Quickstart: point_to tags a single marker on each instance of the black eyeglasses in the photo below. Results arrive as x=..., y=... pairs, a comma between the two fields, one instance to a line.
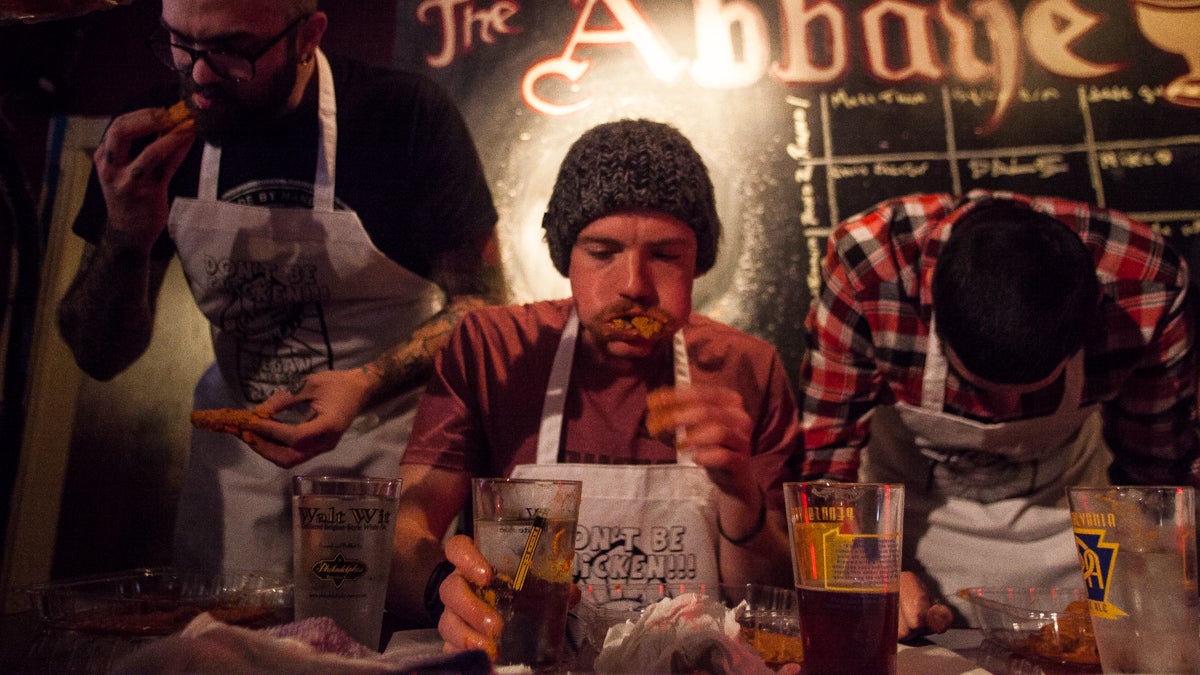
x=230, y=64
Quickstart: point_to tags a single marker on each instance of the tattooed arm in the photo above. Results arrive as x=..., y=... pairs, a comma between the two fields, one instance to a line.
x=410, y=362
x=107, y=314
x=469, y=276
x=106, y=317
x=469, y=284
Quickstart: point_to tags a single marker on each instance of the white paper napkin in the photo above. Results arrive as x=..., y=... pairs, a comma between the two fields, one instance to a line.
x=689, y=633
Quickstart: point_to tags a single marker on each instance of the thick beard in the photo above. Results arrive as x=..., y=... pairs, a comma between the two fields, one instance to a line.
x=230, y=119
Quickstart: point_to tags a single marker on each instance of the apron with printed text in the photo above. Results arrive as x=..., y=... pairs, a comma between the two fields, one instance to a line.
x=985, y=504
x=288, y=292
x=637, y=523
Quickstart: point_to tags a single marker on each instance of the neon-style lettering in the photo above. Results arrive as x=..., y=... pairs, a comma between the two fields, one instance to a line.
x=717, y=65
x=632, y=29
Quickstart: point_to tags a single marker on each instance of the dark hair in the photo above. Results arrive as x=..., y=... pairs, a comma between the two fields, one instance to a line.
x=1014, y=292
x=631, y=164
x=298, y=8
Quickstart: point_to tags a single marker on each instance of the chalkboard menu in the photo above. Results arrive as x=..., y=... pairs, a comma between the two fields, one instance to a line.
x=808, y=111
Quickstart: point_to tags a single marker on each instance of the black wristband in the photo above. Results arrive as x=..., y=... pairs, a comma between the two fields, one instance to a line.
x=433, y=600
x=758, y=525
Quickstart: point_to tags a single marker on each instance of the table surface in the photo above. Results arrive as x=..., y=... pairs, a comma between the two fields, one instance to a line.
x=957, y=652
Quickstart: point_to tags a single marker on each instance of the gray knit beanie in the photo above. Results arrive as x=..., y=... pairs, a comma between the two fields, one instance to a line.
x=631, y=164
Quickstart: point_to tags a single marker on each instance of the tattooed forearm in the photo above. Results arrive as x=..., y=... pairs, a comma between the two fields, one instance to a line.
x=106, y=315
x=410, y=362
x=471, y=278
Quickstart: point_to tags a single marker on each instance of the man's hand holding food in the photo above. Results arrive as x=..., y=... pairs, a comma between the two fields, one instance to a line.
x=710, y=423
x=329, y=402
x=135, y=182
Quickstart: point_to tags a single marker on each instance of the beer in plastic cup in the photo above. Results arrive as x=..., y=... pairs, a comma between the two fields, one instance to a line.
x=342, y=529
x=1137, y=554
x=846, y=549
x=526, y=530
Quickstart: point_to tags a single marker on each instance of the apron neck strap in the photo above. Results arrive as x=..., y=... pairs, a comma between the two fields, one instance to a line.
x=327, y=149
x=933, y=381
x=556, y=392
x=324, y=180
x=210, y=166
x=550, y=429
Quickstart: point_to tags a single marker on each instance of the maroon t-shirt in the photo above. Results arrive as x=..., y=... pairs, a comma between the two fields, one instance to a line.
x=482, y=408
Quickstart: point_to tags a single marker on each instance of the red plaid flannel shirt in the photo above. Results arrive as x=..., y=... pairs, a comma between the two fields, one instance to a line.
x=867, y=332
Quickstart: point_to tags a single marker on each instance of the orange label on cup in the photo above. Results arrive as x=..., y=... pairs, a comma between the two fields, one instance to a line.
x=851, y=562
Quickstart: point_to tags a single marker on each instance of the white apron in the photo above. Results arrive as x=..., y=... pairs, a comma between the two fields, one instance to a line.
x=637, y=523
x=985, y=504
x=288, y=292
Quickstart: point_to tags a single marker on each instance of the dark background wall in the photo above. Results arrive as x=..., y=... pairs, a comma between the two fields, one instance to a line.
x=810, y=111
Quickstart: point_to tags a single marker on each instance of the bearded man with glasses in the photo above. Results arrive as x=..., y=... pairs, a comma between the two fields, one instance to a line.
x=333, y=222
x=233, y=59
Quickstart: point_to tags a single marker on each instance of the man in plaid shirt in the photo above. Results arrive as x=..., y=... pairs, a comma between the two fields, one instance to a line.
x=988, y=351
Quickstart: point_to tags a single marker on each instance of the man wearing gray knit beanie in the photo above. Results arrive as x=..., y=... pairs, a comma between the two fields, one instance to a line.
x=682, y=429
x=632, y=165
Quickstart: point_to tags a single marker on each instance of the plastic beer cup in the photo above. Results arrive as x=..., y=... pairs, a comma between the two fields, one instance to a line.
x=342, y=530
x=526, y=530
x=1137, y=555
x=846, y=550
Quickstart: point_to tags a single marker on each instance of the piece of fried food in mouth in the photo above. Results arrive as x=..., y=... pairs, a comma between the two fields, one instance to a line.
x=179, y=114
x=646, y=326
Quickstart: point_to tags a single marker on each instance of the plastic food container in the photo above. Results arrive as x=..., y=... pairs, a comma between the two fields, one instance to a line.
x=161, y=601
x=89, y=622
x=604, y=606
x=1041, y=624
x=770, y=621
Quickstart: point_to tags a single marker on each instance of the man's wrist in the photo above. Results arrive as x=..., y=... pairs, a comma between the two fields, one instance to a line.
x=759, y=523
x=123, y=253
x=373, y=379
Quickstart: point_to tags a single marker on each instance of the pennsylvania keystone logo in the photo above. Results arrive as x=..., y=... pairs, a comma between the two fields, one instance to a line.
x=339, y=569
x=1096, y=558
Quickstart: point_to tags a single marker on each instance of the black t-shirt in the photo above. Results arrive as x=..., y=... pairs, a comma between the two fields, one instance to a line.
x=405, y=163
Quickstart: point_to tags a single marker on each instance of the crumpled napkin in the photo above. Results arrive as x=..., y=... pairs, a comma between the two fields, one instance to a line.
x=314, y=645
x=688, y=633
